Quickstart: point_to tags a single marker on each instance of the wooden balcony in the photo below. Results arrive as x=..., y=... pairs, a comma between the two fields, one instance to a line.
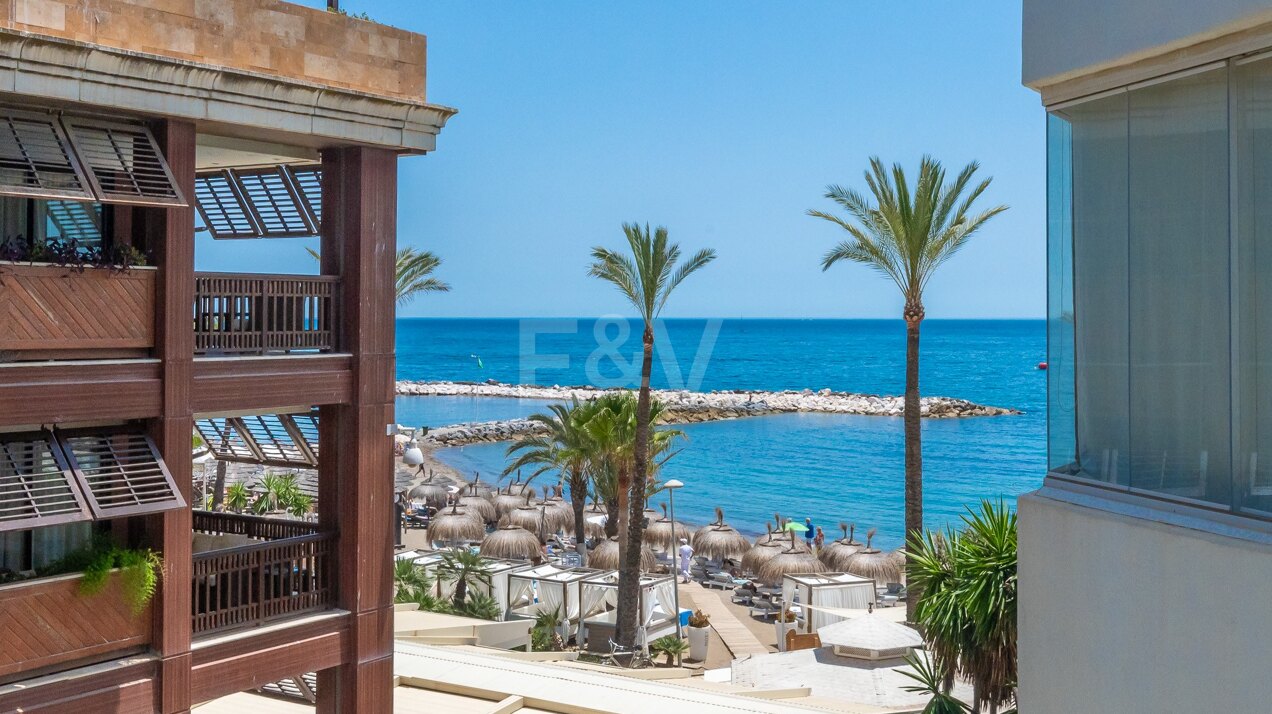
x=47, y=625
x=289, y=573
x=58, y=312
x=247, y=314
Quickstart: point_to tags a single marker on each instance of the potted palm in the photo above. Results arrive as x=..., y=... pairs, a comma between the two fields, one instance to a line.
x=669, y=646
x=785, y=623
x=699, y=627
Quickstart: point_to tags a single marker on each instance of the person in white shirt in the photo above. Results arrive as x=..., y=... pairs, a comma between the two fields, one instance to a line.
x=686, y=553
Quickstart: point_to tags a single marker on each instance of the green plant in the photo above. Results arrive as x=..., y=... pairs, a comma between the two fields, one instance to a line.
x=968, y=604
x=699, y=619
x=482, y=607
x=139, y=572
x=669, y=645
x=409, y=580
x=237, y=497
x=647, y=277
x=906, y=234
x=929, y=682
x=545, y=636
x=413, y=269
x=465, y=568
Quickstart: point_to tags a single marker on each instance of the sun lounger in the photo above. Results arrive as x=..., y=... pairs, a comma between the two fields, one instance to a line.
x=763, y=609
x=743, y=595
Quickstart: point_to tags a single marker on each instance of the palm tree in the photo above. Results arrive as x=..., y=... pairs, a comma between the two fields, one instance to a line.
x=466, y=569
x=565, y=447
x=646, y=278
x=968, y=606
x=907, y=234
x=413, y=271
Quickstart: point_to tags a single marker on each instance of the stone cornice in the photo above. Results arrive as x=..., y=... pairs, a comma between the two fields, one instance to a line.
x=220, y=99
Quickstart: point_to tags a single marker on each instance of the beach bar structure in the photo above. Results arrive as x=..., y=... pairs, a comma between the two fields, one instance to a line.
x=144, y=132
x=831, y=591
x=599, y=607
x=545, y=588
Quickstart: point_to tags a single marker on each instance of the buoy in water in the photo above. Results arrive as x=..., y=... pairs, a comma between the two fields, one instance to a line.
x=1042, y=366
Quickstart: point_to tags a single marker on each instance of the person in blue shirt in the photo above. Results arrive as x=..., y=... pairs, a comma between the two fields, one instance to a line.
x=808, y=534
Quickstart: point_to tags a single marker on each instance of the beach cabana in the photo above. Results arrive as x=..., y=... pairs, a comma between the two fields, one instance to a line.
x=870, y=637
x=599, y=602
x=545, y=588
x=499, y=570
x=833, y=591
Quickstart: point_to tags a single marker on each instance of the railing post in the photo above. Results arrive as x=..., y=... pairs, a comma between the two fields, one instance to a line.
x=259, y=595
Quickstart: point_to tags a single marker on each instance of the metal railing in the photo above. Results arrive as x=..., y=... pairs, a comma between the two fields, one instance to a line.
x=244, y=313
x=251, y=585
x=251, y=526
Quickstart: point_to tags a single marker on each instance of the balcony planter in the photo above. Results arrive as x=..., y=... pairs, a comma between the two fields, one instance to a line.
x=52, y=311
x=60, y=628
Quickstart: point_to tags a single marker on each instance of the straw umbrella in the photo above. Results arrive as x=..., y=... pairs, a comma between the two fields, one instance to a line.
x=478, y=506
x=873, y=563
x=527, y=515
x=665, y=535
x=591, y=527
x=898, y=559
x=604, y=556
x=432, y=494
x=512, y=542
x=455, y=524
x=478, y=488
x=507, y=501
x=771, y=534
x=555, y=519
x=564, y=511
x=719, y=540
x=789, y=562
x=765, y=549
x=835, y=555
x=519, y=487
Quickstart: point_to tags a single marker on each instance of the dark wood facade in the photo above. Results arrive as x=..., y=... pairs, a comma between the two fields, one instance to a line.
x=345, y=632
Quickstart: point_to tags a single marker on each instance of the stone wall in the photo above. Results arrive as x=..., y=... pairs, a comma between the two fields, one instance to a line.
x=263, y=36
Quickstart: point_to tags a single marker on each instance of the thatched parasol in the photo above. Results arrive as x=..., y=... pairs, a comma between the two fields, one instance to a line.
x=604, y=556
x=873, y=563
x=511, y=542
x=454, y=525
x=789, y=562
x=592, y=528
x=432, y=494
x=519, y=487
x=663, y=534
x=557, y=502
x=527, y=515
x=771, y=534
x=478, y=506
x=478, y=488
x=556, y=516
x=765, y=549
x=898, y=558
x=719, y=540
x=836, y=553
x=507, y=501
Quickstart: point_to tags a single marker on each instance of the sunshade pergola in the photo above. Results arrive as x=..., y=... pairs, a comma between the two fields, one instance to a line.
x=284, y=440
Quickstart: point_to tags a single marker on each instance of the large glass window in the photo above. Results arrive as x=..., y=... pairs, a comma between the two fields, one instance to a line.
x=1143, y=180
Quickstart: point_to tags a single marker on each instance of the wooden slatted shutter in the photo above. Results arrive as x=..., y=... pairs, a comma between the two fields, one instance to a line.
x=308, y=182
x=220, y=202
x=224, y=440
x=122, y=161
x=36, y=486
x=120, y=473
x=36, y=158
x=275, y=203
x=278, y=445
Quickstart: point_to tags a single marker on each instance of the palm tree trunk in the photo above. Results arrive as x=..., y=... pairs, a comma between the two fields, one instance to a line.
x=461, y=591
x=913, y=439
x=613, y=516
x=578, y=501
x=218, y=486
x=629, y=553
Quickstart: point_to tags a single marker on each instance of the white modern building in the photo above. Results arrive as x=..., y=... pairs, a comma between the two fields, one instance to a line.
x=1146, y=557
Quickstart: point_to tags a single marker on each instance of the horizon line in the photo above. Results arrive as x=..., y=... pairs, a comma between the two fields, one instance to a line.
x=1039, y=318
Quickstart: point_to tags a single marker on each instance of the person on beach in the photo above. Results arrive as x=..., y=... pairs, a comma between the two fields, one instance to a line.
x=809, y=534
x=686, y=554
x=818, y=540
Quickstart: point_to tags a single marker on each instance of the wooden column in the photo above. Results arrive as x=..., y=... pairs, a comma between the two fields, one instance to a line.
x=359, y=244
x=168, y=236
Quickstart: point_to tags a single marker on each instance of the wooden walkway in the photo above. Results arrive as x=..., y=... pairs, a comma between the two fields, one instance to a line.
x=737, y=637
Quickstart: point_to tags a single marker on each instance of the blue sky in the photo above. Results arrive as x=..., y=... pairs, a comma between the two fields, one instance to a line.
x=722, y=121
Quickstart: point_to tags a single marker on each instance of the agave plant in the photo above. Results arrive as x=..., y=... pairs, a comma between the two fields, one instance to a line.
x=670, y=646
x=237, y=497
x=929, y=682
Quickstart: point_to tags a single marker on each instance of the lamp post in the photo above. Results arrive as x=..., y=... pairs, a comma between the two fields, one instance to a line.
x=671, y=487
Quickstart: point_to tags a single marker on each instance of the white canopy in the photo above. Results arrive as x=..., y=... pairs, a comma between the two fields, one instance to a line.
x=545, y=588
x=499, y=571
x=870, y=637
x=826, y=592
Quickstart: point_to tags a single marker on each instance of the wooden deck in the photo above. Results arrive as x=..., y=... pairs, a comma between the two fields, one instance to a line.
x=736, y=636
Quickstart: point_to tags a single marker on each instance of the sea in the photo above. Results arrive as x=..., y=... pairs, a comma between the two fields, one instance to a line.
x=828, y=467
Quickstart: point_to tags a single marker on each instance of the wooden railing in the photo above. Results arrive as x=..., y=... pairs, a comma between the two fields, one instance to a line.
x=243, y=313
x=253, y=584
x=251, y=526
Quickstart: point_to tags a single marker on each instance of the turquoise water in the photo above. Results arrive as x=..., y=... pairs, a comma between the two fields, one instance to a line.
x=828, y=467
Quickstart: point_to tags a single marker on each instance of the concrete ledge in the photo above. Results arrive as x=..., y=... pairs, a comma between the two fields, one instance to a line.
x=225, y=101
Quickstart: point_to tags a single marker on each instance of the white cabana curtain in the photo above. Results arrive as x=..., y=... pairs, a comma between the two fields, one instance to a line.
x=856, y=596
x=596, y=598
x=552, y=597
x=519, y=589
x=499, y=589
x=660, y=598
